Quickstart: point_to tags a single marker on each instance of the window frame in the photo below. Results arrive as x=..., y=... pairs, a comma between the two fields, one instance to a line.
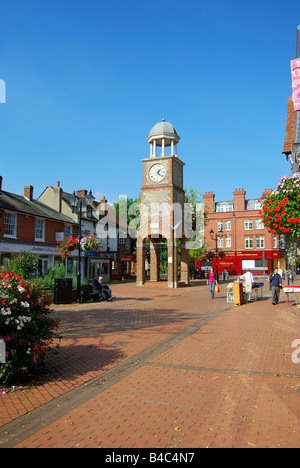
x=249, y=241
x=5, y=234
x=248, y=228
x=260, y=240
x=39, y=239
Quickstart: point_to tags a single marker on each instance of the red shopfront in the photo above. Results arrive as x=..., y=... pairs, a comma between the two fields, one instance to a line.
x=259, y=262
x=121, y=267
x=236, y=262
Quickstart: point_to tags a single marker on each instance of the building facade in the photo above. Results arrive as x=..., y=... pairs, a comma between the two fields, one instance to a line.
x=29, y=225
x=235, y=228
x=114, y=260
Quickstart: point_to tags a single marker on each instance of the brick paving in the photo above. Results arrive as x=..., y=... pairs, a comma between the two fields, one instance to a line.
x=161, y=368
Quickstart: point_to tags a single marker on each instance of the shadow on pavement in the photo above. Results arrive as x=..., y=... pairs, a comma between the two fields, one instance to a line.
x=95, y=322
x=76, y=360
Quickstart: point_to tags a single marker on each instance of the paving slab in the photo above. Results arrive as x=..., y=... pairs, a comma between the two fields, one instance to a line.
x=160, y=368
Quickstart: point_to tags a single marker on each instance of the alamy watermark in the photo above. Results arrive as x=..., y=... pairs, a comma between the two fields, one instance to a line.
x=155, y=220
x=296, y=353
x=2, y=92
x=2, y=352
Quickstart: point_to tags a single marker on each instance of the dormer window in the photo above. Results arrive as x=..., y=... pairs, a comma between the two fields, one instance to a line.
x=224, y=207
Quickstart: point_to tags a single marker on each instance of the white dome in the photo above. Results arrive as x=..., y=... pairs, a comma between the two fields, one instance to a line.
x=163, y=128
x=163, y=133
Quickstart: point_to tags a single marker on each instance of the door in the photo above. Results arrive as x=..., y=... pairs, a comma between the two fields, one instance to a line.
x=99, y=268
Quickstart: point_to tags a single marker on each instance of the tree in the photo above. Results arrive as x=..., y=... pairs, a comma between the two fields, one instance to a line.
x=281, y=213
x=193, y=201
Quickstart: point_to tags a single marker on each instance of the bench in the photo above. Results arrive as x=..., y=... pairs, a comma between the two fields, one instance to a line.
x=87, y=294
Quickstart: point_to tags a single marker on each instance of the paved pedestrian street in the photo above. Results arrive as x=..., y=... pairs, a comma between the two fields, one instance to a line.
x=165, y=368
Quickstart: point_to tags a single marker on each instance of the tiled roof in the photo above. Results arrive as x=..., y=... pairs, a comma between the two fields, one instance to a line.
x=13, y=202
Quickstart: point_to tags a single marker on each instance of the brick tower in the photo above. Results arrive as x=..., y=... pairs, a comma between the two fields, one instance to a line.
x=162, y=207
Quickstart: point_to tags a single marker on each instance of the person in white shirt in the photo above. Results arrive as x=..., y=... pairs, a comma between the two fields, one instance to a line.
x=249, y=280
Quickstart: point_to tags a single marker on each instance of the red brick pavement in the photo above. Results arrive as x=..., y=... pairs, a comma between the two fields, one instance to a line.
x=203, y=374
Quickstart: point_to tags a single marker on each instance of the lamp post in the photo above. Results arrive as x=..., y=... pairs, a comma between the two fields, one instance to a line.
x=76, y=202
x=216, y=239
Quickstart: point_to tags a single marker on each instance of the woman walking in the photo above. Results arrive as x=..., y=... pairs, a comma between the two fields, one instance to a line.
x=212, y=281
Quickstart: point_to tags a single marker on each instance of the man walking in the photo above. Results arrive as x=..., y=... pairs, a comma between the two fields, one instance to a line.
x=275, y=281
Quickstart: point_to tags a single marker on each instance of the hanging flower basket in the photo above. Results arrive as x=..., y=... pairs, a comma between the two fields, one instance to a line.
x=66, y=246
x=209, y=255
x=90, y=244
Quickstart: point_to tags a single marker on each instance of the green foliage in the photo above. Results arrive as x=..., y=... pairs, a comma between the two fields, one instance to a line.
x=281, y=209
x=25, y=264
x=48, y=281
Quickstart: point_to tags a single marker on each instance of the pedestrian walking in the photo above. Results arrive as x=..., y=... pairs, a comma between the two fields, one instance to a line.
x=212, y=281
x=275, y=281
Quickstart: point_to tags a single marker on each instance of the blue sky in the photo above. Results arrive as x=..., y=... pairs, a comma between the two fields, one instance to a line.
x=87, y=80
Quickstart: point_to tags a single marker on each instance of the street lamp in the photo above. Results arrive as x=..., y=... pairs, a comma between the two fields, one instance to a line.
x=216, y=239
x=76, y=202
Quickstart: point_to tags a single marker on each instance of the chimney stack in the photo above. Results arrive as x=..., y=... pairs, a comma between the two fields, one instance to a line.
x=239, y=199
x=28, y=192
x=103, y=205
x=57, y=197
x=1, y=178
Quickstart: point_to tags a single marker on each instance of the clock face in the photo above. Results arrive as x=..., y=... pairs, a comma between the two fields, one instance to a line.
x=157, y=172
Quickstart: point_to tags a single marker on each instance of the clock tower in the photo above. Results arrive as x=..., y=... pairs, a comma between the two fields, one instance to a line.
x=162, y=207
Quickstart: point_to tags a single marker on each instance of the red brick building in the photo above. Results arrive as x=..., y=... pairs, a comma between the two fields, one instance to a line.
x=238, y=232
x=29, y=225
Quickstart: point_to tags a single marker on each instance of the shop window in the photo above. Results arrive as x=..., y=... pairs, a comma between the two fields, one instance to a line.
x=42, y=266
x=10, y=225
x=127, y=268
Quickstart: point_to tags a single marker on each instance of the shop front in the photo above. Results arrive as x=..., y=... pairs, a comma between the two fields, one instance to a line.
x=121, y=267
x=48, y=255
x=259, y=262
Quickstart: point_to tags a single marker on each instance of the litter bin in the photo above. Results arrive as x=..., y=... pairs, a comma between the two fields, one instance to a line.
x=63, y=291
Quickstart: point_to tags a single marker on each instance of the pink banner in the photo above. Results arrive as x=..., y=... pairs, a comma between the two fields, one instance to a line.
x=295, y=67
